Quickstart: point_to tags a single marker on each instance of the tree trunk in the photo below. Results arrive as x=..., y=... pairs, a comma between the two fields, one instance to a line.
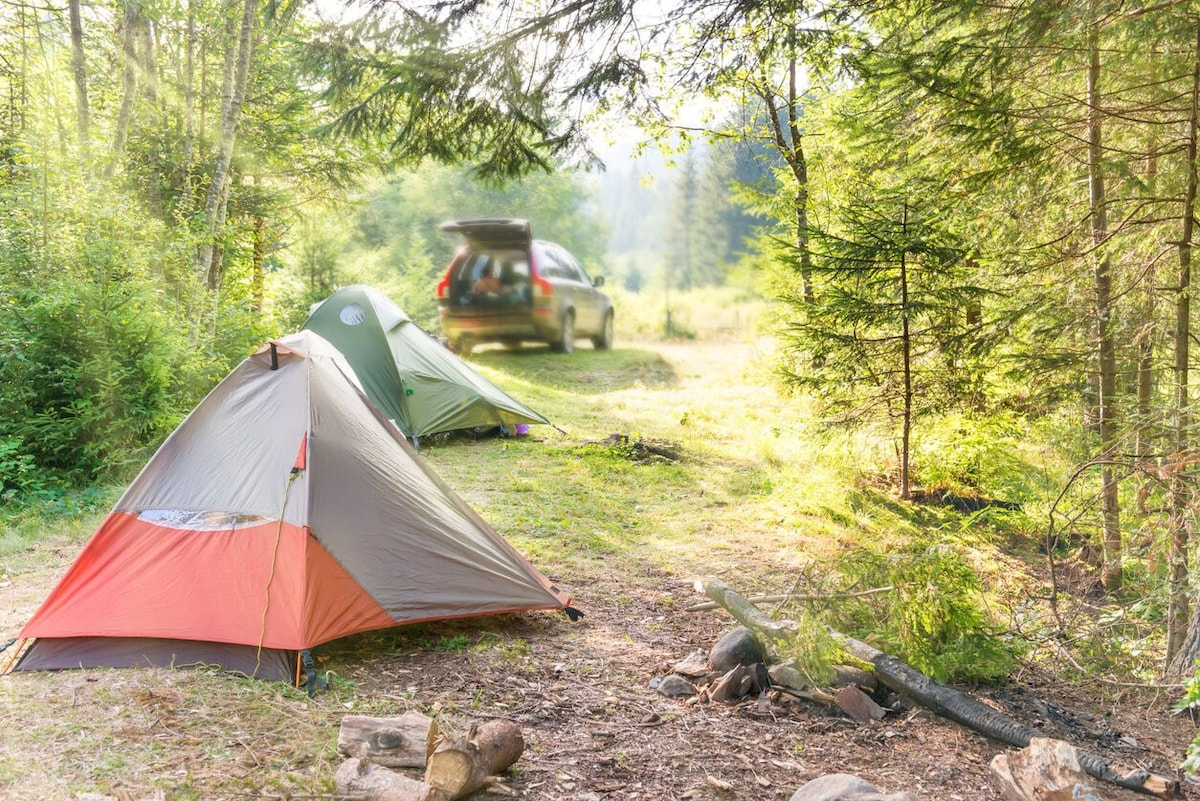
x=189, y=98
x=129, y=27
x=149, y=68
x=237, y=73
x=259, y=267
x=906, y=345
x=1183, y=647
x=790, y=144
x=799, y=165
x=79, y=71
x=1110, y=575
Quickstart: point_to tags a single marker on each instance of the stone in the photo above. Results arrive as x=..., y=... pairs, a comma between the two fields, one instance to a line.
x=673, y=686
x=694, y=664
x=735, y=684
x=738, y=647
x=844, y=787
x=784, y=675
x=858, y=705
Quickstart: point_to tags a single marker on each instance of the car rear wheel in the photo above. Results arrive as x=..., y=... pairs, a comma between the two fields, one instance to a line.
x=566, y=335
x=463, y=346
x=605, y=340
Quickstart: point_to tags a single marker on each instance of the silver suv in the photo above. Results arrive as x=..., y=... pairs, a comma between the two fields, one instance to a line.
x=505, y=286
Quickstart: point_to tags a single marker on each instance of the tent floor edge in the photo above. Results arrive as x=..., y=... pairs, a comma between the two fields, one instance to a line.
x=72, y=653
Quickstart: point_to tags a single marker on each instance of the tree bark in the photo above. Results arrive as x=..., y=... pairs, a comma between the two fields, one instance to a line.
x=1183, y=645
x=79, y=71
x=906, y=345
x=1110, y=575
x=237, y=73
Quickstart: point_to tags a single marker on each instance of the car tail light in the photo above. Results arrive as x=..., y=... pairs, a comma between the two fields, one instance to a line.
x=443, y=287
x=541, y=287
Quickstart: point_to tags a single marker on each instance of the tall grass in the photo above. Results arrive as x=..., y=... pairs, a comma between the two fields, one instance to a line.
x=701, y=314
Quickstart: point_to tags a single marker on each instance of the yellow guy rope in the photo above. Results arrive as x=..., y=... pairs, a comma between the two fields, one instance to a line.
x=262, y=631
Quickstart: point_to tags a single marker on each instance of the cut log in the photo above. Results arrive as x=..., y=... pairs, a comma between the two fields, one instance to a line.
x=360, y=779
x=399, y=742
x=944, y=701
x=470, y=763
x=1048, y=770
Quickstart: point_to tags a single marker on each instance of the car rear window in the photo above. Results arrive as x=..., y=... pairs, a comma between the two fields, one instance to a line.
x=512, y=267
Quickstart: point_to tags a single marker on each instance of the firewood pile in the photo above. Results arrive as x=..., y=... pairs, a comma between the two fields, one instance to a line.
x=379, y=749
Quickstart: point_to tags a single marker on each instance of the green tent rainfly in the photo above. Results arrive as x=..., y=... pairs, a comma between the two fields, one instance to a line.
x=417, y=382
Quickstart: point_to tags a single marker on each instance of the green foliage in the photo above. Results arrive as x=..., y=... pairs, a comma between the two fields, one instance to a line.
x=97, y=362
x=87, y=381
x=932, y=618
x=939, y=624
x=888, y=311
x=970, y=454
x=1189, y=703
x=19, y=475
x=813, y=650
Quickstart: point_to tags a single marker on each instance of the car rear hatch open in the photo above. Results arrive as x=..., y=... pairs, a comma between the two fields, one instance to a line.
x=487, y=233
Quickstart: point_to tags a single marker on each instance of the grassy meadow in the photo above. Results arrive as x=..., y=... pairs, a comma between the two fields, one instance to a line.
x=749, y=490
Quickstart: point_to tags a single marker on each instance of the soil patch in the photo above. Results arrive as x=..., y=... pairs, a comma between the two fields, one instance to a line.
x=595, y=730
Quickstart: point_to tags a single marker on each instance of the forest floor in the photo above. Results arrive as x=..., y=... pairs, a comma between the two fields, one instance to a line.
x=594, y=728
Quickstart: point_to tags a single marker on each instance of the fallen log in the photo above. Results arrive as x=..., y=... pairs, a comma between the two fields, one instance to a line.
x=459, y=768
x=396, y=742
x=942, y=700
x=774, y=599
x=453, y=770
x=361, y=779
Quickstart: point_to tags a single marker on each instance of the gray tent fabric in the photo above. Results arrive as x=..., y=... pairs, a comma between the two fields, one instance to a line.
x=418, y=383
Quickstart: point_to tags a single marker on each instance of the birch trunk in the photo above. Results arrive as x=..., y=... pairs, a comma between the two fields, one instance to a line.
x=129, y=58
x=79, y=71
x=237, y=80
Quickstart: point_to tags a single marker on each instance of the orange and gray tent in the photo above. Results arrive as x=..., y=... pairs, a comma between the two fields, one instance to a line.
x=284, y=512
x=423, y=387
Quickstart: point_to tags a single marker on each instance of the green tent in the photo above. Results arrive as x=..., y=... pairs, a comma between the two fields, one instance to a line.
x=417, y=382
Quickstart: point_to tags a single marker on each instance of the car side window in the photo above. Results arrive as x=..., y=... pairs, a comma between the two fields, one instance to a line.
x=580, y=274
x=566, y=264
x=550, y=264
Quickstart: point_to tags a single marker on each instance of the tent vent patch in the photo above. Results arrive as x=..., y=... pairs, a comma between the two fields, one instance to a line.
x=352, y=314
